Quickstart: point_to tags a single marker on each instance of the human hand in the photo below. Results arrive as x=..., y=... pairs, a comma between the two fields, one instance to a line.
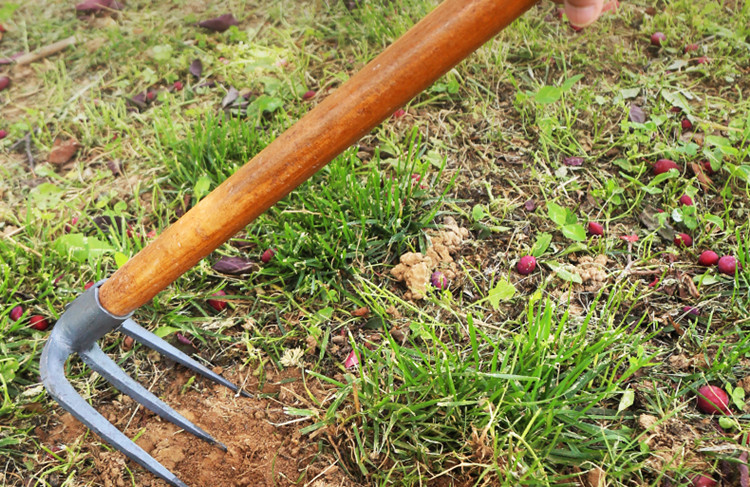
x=584, y=12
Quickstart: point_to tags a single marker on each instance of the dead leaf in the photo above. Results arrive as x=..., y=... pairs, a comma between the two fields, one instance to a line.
x=63, y=151
x=705, y=181
x=649, y=220
x=234, y=265
x=231, y=96
x=96, y=6
x=196, y=68
x=359, y=312
x=637, y=114
x=220, y=23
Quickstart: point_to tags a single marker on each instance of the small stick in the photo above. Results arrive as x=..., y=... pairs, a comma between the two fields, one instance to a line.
x=46, y=51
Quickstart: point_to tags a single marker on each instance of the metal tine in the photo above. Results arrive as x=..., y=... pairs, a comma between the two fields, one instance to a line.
x=105, y=366
x=52, y=362
x=137, y=332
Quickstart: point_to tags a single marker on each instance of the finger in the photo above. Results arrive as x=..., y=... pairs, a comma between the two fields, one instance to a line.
x=583, y=12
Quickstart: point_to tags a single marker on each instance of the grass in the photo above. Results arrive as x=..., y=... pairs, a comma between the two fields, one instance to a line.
x=501, y=379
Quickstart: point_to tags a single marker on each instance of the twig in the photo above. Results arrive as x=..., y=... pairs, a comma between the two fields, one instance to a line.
x=46, y=51
x=28, y=152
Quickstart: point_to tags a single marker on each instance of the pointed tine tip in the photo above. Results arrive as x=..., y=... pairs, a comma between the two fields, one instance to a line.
x=176, y=482
x=222, y=446
x=242, y=392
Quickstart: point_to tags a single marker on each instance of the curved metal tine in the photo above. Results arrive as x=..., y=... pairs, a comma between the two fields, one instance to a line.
x=52, y=368
x=137, y=332
x=100, y=362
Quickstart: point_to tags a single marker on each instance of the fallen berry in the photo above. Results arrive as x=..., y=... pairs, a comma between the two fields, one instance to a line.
x=683, y=240
x=439, y=280
x=267, y=256
x=702, y=60
x=686, y=200
x=183, y=339
x=308, y=95
x=3, y=134
x=38, y=323
x=686, y=124
x=88, y=285
x=526, y=265
x=399, y=113
x=707, y=168
x=663, y=165
x=596, y=229
x=217, y=304
x=727, y=265
x=713, y=399
x=4, y=82
x=691, y=311
x=177, y=86
x=657, y=38
x=16, y=313
x=708, y=258
x=703, y=481
x=691, y=47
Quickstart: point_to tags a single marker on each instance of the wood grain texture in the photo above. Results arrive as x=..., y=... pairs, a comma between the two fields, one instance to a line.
x=451, y=32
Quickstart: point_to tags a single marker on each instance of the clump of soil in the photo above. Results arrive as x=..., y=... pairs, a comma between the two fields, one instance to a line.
x=263, y=447
x=415, y=268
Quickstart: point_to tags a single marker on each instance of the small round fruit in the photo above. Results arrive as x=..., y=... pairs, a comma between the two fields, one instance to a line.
x=595, y=228
x=3, y=134
x=4, y=82
x=686, y=200
x=713, y=400
x=707, y=168
x=664, y=165
x=16, y=313
x=88, y=285
x=691, y=47
x=657, y=38
x=267, y=256
x=38, y=323
x=727, y=265
x=217, y=304
x=683, y=240
x=178, y=86
x=439, y=280
x=686, y=124
x=703, y=481
x=526, y=265
x=708, y=258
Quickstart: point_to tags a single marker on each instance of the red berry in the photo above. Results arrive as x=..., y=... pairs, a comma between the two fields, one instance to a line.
x=657, y=38
x=707, y=168
x=713, y=399
x=4, y=82
x=150, y=95
x=703, y=60
x=267, y=256
x=88, y=285
x=596, y=229
x=439, y=280
x=177, y=86
x=526, y=265
x=728, y=265
x=399, y=113
x=3, y=134
x=703, y=481
x=683, y=240
x=686, y=124
x=708, y=258
x=16, y=313
x=691, y=47
x=38, y=323
x=664, y=165
x=217, y=304
x=686, y=200
x=308, y=95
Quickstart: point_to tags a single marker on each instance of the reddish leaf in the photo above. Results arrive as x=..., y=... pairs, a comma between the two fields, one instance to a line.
x=637, y=114
x=196, y=68
x=351, y=360
x=530, y=205
x=234, y=265
x=115, y=167
x=573, y=161
x=220, y=23
x=96, y=6
x=63, y=151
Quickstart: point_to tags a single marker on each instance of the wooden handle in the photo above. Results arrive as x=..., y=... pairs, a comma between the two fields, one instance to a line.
x=428, y=50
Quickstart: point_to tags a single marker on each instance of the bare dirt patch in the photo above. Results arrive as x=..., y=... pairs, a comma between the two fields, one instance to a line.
x=262, y=447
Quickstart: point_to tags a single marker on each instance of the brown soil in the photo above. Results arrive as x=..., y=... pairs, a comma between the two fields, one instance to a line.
x=262, y=447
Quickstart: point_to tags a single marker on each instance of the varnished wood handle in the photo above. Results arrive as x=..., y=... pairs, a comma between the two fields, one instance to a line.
x=428, y=50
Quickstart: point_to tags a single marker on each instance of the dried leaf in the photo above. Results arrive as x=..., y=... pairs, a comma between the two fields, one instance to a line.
x=220, y=23
x=115, y=167
x=705, y=181
x=530, y=205
x=139, y=100
x=196, y=68
x=63, y=151
x=234, y=265
x=359, y=312
x=573, y=161
x=96, y=6
x=651, y=222
x=231, y=96
x=637, y=114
